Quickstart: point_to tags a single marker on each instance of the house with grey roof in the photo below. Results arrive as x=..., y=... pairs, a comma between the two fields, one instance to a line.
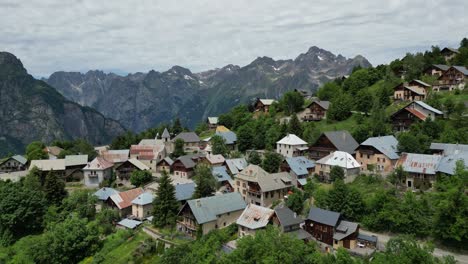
x=260, y=187
x=128, y=223
x=191, y=141
x=413, y=112
x=455, y=78
x=13, y=163
x=184, y=166
x=263, y=105
x=421, y=169
x=449, y=53
x=378, y=154
x=290, y=222
x=315, y=111
x=436, y=69
x=142, y=206
x=230, y=139
x=184, y=191
x=448, y=149
x=212, y=122
x=300, y=168
x=102, y=195
x=235, y=165
x=327, y=227
x=209, y=213
x=253, y=218
x=164, y=165
x=223, y=178
x=331, y=141
x=124, y=170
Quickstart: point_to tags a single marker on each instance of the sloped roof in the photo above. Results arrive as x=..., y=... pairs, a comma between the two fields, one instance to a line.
x=188, y=137
x=236, y=165
x=341, y=159
x=323, y=216
x=450, y=49
x=147, y=142
x=342, y=140
x=165, y=134
x=421, y=83
x=415, y=90
x=98, y=163
x=441, y=67
x=48, y=165
x=461, y=69
x=300, y=165
x=344, y=229
x=448, y=163
x=187, y=161
x=419, y=163
x=266, y=181
x=18, y=158
x=140, y=165
x=428, y=107
x=220, y=174
x=291, y=139
x=124, y=199
x=129, y=223
x=229, y=136
x=105, y=192
x=287, y=217
x=53, y=150
x=387, y=145
x=207, y=209
x=416, y=113
x=222, y=129
x=213, y=120
x=215, y=159
x=115, y=155
x=267, y=101
x=168, y=160
x=143, y=151
x=76, y=160
x=449, y=148
x=255, y=216
x=324, y=104
x=184, y=191
x=143, y=199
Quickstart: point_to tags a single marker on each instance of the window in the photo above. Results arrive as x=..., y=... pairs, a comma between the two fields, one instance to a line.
x=238, y=183
x=378, y=159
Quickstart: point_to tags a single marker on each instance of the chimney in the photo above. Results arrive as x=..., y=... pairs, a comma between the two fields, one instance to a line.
x=198, y=203
x=295, y=215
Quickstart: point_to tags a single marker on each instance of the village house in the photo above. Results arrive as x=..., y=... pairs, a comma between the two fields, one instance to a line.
x=340, y=159
x=116, y=156
x=74, y=166
x=212, y=122
x=448, y=149
x=46, y=166
x=436, y=69
x=209, y=213
x=378, y=154
x=184, y=191
x=291, y=146
x=102, y=195
x=234, y=166
x=253, y=218
x=449, y=53
x=260, y=187
x=300, y=168
x=191, y=141
x=183, y=166
x=212, y=160
x=230, y=139
x=421, y=169
x=53, y=151
x=455, y=78
x=315, y=111
x=149, y=152
x=142, y=206
x=414, y=90
x=223, y=179
x=290, y=222
x=97, y=171
x=124, y=171
x=263, y=105
x=13, y=163
x=122, y=201
x=327, y=227
x=164, y=165
x=331, y=141
x=413, y=112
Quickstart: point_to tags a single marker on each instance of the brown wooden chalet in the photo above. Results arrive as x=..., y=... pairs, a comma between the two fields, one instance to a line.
x=125, y=170
x=331, y=141
x=454, y=78
x=436, y=69
x=414, y=90
x=184, y=166
x=327, y=227
x=263, y=105
x=316, y=111
x=415, y=111
x=449, y=53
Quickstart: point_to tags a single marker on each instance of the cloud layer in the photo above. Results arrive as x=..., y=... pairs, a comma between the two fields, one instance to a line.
x=129, y=36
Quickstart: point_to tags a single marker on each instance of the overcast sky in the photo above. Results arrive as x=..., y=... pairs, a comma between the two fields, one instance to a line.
x=129, y=36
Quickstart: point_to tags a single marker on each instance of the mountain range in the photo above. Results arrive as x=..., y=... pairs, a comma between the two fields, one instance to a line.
x=142, y=100
x=32, y=110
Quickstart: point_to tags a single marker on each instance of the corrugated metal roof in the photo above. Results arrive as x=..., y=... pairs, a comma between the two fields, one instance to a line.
x=20, y=159
x=229, y=136
x=105, y=193
x=184, y=191
x=48, y=165
x=323, y=216
x=143, y=199
x=236, y=165
x=441, y=67
x=255, y=217
x=421, y=83
x=419, y=163
x=98, y=163
x=188, y=137
x=300, y=165
x=342, y=140
x=324, y=104
x=461, y=69
x=115, y=155
x=416, y=113
x=220, y=174
x=140, y=165
x=207, y=209
x=341, y=159
x=428, y=107
x=287, y=217
x=449, y=149
x=75, y=160
x=124, y=199
x=387, y=145
x=448, y=163
x=129, y=223
x=291, y=139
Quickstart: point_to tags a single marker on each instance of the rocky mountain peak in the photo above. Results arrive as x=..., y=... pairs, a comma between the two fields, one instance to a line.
x=10, y=65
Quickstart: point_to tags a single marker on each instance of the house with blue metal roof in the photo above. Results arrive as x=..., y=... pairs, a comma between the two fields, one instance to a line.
x=184, y=191
x=300, y=168
x=222, y=177
x=142, y=205
x=209, y=213
x=378, y=154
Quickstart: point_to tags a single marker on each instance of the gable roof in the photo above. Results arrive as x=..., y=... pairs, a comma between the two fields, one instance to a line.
x=48, y=165
x=322, y=216
x=76, y=160
x=441, y=67
x=387, y=145
x=105, y=192
x=236, y=165
x=266, y=181
x=341, y=159
x=419, y=163
x=140, y=165
x=129, y=223
x=428, y=107
x=187, y=161
x=165, y=133
x=98, y=163
x=188, y=137
x=344, y=229
x=229, y=136
x=255, y=216
x=215, y=159
x=124, y=199
x=213, y=120
x=414, y=90
x=18, y=158
x=207, y=209
x=421, y=83
x=287, y=217
x=222, y=129
x=143, y=199
x=461, y=69
x=300, y=165
x=267, y=101
x=324, y=104
x=450, y=50
x=168, y=160
x=291, y=139
x=448, y=163
x=115, y=155
x=342, y=140
x=220, y=174
x=449, y=148
x=184, y=191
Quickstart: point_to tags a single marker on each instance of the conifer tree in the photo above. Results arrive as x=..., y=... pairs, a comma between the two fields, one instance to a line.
x=206, y=183
x=54, y=188
x=165, y=205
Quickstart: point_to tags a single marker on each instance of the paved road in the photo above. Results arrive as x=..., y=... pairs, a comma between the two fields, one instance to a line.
x=383, y=239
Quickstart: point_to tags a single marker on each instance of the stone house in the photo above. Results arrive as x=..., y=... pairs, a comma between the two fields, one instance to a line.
x=124, y=171
x=315, y=111
x=300, y=168
x=97, y=171
x=378, y=154
x=123, y=201
x=142, y=206
x=340, y=159
x=253, y=218
x=191, y=141
x=291, y=146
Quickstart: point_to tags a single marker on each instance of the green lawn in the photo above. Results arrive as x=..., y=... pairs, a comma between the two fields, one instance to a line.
x=207, y=134
x=368, y=186
x=328, y=125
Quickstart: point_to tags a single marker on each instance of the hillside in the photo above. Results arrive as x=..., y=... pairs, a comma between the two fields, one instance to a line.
x=142, y=100
x=32, y=110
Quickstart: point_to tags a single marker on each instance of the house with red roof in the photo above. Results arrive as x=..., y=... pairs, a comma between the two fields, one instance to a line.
x=123, y=201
